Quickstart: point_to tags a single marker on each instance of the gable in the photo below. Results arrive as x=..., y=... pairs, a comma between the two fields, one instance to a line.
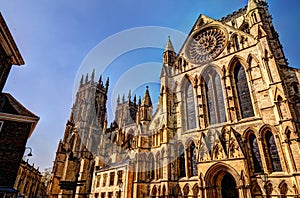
x=211, y=39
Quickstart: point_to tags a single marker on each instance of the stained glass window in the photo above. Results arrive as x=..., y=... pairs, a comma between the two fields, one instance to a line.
x=243, y=92
x=211, y=103
x=220, y=99
x=193, y=160
x=273, y=152
x=190, y=107
x=215, y=99
x=181, y=162
x=255, y=154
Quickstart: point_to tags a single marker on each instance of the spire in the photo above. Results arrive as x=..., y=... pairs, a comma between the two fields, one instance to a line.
x=100, y=80
x=147, y=100
x=87, y=78
x=81, y=80
x=107, y=83
x=129, y=95
x=118, y=100
x=140, y=101
x=123, y=98
x=169, y=46
x=93, y=75
x=134, y=99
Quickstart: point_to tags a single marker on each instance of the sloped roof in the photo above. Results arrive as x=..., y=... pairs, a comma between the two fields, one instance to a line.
x=8, y=104
x=8, y=43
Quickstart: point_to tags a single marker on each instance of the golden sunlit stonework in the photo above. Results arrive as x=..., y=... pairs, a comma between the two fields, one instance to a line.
x=226, y=125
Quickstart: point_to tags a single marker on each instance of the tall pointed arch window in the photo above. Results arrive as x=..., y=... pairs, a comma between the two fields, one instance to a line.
x=272, y=152
x=243, y=93
x=181, y=160
x=190, y=106
x=151, y=167
x=214, y=97
x=192, y=160
x=255, y=153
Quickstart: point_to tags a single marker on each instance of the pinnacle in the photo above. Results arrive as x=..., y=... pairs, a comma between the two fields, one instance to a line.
x=169, y=46
x=147, y=99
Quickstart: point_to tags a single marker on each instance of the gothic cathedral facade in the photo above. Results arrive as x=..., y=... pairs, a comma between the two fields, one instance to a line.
x=226, y=125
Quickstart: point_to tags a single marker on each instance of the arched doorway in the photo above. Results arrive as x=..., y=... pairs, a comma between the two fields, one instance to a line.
x=221, y=181
x=228, y=186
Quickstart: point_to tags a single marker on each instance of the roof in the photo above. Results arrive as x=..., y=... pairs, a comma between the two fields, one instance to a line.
x=8, y=43
x=147, y=99
x=235, y=14
x=11, y=109
x=8, y=104
x=169, y=46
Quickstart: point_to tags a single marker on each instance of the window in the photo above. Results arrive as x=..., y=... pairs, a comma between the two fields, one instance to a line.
x=295, y=88
x=103, y=195
x=104, y=180
x=190, y=106
x=272, y=152
x=158, y=159
x=120, y=176
x=110, y=195
x=98, y=181
x=255, y=153
x=111, y=178
x=254, y=18
x=245, y=28
x=236, y=42
x=151, y=166
x=181, y=162
x=215, y=100
x=243, y=93
x=193, y=160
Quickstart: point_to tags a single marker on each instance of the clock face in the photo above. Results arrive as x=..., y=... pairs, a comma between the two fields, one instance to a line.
x=206, y=45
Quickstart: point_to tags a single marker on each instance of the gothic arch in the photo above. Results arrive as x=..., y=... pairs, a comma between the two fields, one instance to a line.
x=272, y=149
x=195, y=191
x=189, y=104
x=256, y=190
x=185, y=78
x=192, y=159
x=242, y=88
x=235, y=39
x=237, y=59
x=283, y=188
x=177, y=192
x=252, y=58
x=254, y=152
x=181, y=161
x=217, y=171
x=154, y=192
x=223, y=179
x=186, y=190
x=164, y=191
x=212, y=87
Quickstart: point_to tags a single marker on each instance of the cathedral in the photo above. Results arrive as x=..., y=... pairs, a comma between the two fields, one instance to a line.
x=226, y=124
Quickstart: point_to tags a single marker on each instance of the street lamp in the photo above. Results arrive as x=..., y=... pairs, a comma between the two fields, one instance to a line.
x=30, y=151
x=120, y=187
x=264, y=178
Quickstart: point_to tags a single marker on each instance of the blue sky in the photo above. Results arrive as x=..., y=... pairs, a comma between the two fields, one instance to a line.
x=54, y=37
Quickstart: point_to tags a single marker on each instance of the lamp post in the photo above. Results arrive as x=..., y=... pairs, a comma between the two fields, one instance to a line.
x=264, y=178
x=26, y=156
x=30, y=151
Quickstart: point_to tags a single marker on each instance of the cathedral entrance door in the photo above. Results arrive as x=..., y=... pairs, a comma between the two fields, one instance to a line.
x=228, y=185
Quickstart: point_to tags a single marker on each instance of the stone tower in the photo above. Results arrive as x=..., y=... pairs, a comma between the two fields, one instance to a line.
x=76, y=151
